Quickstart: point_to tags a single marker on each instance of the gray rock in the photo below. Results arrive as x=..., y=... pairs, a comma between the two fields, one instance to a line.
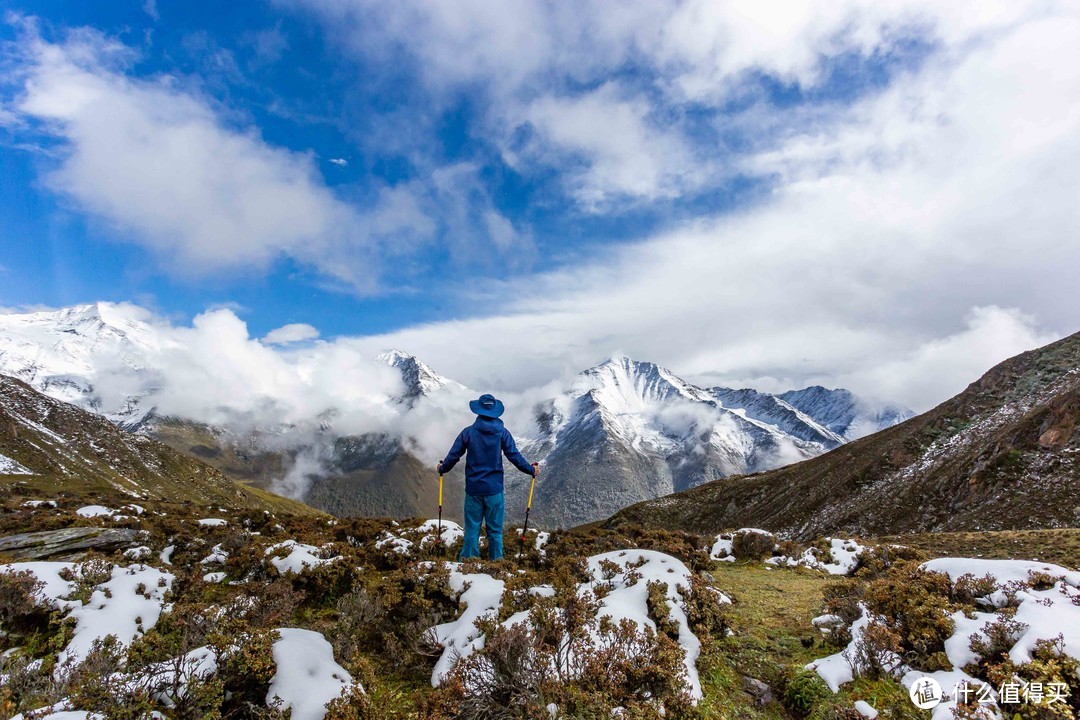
x=66, y=544
x=758, y=689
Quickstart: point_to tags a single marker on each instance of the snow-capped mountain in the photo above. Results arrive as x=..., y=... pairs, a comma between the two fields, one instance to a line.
x=773, y=410
x=843, y=413
x=59, y=352
x=419, y=379
x=629, y=430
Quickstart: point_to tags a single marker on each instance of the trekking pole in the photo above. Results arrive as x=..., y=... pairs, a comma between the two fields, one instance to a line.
x=438, y=540
x=528, y=507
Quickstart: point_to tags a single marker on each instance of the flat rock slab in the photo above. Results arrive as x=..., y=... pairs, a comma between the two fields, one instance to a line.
x=66, y=544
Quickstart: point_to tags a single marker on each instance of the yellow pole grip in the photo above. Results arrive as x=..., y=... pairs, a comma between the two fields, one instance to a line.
x=440, y=489
x=531, y=486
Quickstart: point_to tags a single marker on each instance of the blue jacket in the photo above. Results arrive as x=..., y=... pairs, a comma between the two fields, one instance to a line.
x=486, y=440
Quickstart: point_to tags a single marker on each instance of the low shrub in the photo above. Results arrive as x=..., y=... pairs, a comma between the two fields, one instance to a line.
x=21, y=612
x=802, y=690
x=751, y=545
x=914, y=606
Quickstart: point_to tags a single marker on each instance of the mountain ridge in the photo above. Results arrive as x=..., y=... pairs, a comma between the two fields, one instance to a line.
x=620, y=432
x=1003, y=454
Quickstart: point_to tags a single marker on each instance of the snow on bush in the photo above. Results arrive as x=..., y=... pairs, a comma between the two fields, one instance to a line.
x=1043, y=606
x=754, y=543
x=843, y=557
x=126, y=605
x=721, y=549
x=402, y=541
x=451, y=532
x=481, y=595
x=138, y=553
x=622, y=586
x=52, y=574
x=213, y=522
x=217, y=556
x=299, y=557
x=307, y=677
x=628, y=596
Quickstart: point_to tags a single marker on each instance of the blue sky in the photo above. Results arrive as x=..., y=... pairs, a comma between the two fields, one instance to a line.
x=764, y=196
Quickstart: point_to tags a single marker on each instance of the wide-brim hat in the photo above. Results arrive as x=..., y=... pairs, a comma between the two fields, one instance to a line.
x=487, y=406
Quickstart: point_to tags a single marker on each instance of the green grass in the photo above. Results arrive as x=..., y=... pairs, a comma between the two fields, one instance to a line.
x=770, y=618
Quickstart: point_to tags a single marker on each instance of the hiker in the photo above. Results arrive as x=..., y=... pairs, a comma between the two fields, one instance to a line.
x=485, y=441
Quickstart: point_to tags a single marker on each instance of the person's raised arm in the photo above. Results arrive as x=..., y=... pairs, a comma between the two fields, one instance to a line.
x=509, y=449
x=452, y=457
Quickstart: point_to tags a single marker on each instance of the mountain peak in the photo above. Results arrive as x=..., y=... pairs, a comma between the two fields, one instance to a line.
x=419, y=378
x=627, y=385
x=394, y=357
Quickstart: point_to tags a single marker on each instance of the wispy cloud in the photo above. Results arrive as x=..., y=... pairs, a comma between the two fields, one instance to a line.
x=291, y=333
x=635, y=102
x=160, y=165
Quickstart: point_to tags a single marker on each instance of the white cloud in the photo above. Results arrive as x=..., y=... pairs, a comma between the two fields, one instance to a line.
x=159, y=163
x=216, y=372
x=340, y=162
x=912, y=241
x=550, y=65
x=627, y=156
x=291, y=333
x=942, y=367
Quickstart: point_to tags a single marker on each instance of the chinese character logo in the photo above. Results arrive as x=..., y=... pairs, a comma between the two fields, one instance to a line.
x=926, y=693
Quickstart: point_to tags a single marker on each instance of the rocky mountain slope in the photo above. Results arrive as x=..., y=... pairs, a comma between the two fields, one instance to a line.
x=1003, y=454
x=843, y=413
x=628, y=431
x=59, y=448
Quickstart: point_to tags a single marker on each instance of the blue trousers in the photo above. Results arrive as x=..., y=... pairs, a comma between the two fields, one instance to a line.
x=489, y=510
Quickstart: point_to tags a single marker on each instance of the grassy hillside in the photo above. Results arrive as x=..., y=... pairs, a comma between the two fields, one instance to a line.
x=78, y=454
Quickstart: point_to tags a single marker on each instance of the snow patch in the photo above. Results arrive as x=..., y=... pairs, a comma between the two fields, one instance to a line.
x=481, y=595
x=90, y=511
x=10, y=467
x=300, y=557
x=307, y=677
x=55, y=588
x=125, y=606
